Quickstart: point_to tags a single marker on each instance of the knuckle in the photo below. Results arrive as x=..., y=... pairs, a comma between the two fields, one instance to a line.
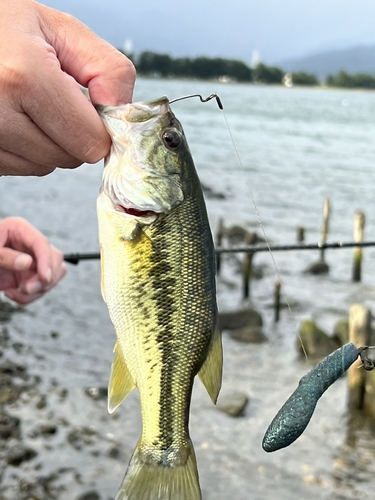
x=13, y=79
x=11, y=164
x=121, y=69
x=42, y=171
x=16, y=221
x=70, y=164
x=55, y=158
x=127, y=68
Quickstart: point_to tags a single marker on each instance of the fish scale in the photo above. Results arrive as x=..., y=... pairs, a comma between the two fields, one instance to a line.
x=158, y=280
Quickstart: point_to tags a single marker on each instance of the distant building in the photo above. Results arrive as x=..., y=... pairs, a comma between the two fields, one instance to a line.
x=128, y=47
x=255, y=58
x=288, y=80
x=226, y=79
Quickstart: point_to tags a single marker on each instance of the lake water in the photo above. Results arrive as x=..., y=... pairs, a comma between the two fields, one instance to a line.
x=297, y=146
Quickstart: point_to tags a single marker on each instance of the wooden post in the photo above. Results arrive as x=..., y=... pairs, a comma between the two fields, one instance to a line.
x=325, y=226
x=247, y=274
x=359, y=233
x=300, y=234
x=359, y=334
x=218, y=243
x=277, y=302
x=247, y=265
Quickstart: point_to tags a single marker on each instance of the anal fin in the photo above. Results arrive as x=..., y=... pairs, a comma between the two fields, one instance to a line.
x=121, y=382
x=212, y=368
x=102, y=288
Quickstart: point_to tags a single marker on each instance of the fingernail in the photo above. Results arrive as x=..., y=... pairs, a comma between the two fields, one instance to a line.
x=34, y=287
x=22, y=262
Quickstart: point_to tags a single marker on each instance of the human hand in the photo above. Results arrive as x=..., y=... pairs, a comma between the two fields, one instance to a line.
x=46, y=121
x=29, y=265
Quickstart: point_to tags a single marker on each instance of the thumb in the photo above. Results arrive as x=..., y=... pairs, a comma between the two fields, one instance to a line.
x=94, y=63
x=12, y=260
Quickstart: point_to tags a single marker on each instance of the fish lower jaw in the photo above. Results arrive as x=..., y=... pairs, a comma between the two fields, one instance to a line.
x=135, y=212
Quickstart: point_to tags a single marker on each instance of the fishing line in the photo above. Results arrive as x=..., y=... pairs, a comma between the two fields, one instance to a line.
x=220, y=105
x=294, y=416
x=278, y=276
x=261, y=225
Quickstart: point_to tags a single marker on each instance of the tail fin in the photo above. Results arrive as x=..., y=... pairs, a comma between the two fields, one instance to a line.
x=147, y=480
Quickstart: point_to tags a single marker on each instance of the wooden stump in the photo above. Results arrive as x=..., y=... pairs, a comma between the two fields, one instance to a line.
x=247, y=265
x=359, y=234
x=218, y=243
x=359, y=334
x=325, y=225
x=277, y=300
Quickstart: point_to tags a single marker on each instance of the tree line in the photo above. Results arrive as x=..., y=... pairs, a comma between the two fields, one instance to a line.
x=350, y=81
x=163, y=65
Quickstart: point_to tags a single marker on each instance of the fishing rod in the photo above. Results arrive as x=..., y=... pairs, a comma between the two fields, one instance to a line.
x=300, y=246
x=75, y=258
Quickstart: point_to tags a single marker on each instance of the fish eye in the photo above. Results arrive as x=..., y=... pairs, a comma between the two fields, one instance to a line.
x=171, y=138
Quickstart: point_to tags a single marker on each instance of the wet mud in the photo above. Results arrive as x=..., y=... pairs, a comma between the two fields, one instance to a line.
x=30, y=442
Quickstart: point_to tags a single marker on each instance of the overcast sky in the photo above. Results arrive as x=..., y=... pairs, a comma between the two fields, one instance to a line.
x=278, y=29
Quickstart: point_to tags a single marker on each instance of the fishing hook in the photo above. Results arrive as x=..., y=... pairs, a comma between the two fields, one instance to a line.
x=212, y=96
x=368, y=364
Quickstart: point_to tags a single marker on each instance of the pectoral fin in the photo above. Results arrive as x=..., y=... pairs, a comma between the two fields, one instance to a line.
x=212, y=368
x=121, y=382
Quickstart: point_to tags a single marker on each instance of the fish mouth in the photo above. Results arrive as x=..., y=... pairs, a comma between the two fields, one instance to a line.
x=135, y=212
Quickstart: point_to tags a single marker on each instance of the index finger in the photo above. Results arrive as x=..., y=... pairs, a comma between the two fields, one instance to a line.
x=18, y=234
x=57, y=105
x=93, y=62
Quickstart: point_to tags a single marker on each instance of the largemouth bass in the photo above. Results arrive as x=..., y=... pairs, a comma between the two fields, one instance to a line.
x=158, y=281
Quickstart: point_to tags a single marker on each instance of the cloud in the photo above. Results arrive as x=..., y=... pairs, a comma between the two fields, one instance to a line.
x=279, y=30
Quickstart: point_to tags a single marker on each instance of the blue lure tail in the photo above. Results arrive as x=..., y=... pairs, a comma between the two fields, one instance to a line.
x=294, y=416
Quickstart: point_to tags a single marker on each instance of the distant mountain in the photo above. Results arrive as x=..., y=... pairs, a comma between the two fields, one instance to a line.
x=359, y=59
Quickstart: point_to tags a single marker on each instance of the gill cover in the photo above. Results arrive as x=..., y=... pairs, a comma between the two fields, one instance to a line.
x=141, y=133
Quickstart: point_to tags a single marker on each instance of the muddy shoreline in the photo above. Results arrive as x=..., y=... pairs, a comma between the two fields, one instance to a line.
x=44, y=454
x=33, y=428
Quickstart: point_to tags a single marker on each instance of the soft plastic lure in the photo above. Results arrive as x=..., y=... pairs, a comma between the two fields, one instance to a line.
x=294, y=416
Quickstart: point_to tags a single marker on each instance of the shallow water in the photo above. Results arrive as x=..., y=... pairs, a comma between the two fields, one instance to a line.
x=297, y=146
